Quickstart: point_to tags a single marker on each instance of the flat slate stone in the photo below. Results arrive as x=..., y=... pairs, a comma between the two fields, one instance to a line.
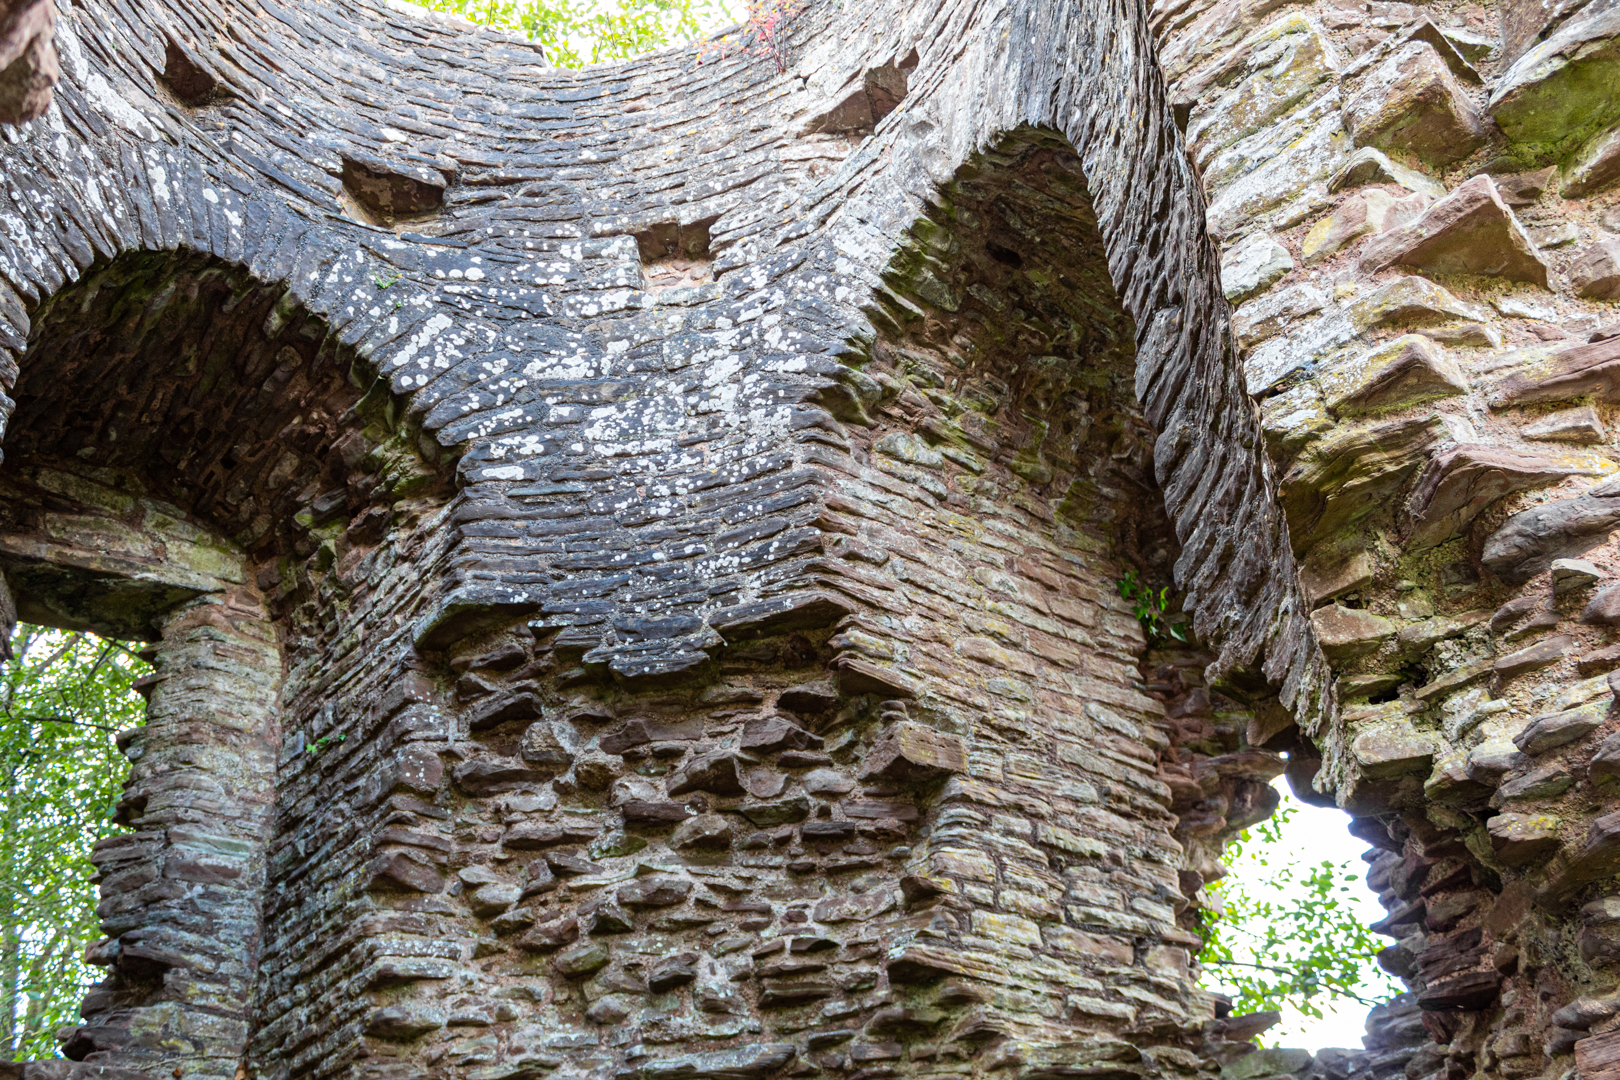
x=1470, y=231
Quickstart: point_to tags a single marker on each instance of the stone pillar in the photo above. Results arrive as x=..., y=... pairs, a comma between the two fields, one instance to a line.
x=180, y=894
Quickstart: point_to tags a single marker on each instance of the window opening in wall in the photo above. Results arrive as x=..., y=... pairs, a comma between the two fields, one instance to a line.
x=391, y=194
x=1289, y=929
x=572, y=34
x=64, y=697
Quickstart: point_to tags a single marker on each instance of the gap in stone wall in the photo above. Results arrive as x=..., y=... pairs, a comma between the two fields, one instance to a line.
x=195, y=461
x=1001, y=378
x=676, y=255
x=188, y=80
x=390, y=194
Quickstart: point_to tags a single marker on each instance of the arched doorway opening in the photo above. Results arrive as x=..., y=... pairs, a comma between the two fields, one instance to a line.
x=65, y=697
x=996, y=414
x=195, y=462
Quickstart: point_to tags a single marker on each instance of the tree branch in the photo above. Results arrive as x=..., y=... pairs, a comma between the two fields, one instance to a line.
x=1327, y=986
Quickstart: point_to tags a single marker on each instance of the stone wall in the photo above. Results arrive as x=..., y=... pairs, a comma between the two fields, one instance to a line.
x=1417, y=208
x=668, y=517
x=759, y=697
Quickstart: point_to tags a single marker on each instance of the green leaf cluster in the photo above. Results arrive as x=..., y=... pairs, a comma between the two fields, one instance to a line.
x=63, y=697
x=1282, y=931
x=565, y=29
x=323, y=742
x=1151, y=606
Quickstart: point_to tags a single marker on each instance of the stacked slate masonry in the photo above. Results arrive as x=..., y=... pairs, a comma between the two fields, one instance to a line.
x=1417, y=206
x=630, y=556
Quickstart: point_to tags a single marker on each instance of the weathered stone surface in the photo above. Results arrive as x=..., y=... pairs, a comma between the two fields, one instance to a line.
x=1521, y=838
x=1274, y=69
x=1553, y=730
x=747, y=1063
x=1532, y=657
x=1470, y=990
x=1590, y=368
x=1603, y=608
x=1406, y=371
x=1560, y=91
x=1461, y=483
x=1349, y=632
x=1598, y=661
x=1547, y=782
x=720, y=772
x=1605, y=764
x=1257, y=175
x=1599, y=1055
x=29, y=66
x=1580, y=425
x=1470, y=231
x=1281, y=359
x=911, y=751
x=1369, y=165
x=1366, y=213
x=1413, y=102
x=1392, y=749
x=1253, y=265
x=1292, y=420
x=1422, y=636
x=1528, y=542
x=1525, y=188
x=1275, y=1061
x=1269, y=313
x=1525, y=21
x=705, y=832
x=1352, y=472
x=1326, y=583
x=1488, y=762
x=1596, y=168
x=1411, y=301
x=403, y=1022
x=1595, y=273
x=1570, y=575
x=654, y=892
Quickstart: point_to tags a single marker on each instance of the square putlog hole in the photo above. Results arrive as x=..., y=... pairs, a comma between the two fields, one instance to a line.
x=675, y=256
x=385, y=195
x=186, y=78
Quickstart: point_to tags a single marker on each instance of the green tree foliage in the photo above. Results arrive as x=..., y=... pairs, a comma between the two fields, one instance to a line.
x=62, y=699
x=1284, y=931
x=616, y=31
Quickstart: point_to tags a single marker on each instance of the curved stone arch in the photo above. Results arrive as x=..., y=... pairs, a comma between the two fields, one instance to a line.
x=1017, y=57
x=197, y=461
x=996, y=484
x=1236, y=567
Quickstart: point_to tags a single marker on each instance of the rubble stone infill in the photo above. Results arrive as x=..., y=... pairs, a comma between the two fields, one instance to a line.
x=1418, y=207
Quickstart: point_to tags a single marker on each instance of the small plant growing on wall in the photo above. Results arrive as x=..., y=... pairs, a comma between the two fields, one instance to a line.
x=763, y=33
x=323, y=742
x=1151, y=607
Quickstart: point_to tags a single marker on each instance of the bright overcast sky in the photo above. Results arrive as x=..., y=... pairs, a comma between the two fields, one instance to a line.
x=1314, y=834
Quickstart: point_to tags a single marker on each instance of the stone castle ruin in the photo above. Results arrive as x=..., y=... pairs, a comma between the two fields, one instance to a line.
x=630, y=556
